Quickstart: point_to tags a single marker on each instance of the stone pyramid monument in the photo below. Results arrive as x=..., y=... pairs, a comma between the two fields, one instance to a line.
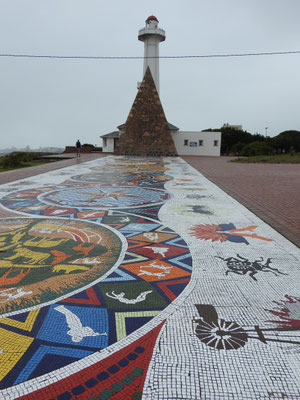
x=146, y=131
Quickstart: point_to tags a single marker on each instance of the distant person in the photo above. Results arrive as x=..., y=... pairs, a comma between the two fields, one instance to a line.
x=78, y=147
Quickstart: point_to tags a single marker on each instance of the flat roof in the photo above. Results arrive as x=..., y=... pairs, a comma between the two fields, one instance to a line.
x=114, y=134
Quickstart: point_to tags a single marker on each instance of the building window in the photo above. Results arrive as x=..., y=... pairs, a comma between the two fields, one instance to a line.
x=216, y=143
x=104, y=142
x=200, y=142
x=186, y=142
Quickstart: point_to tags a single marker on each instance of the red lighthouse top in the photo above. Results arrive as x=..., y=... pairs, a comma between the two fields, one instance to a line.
x=151, y=18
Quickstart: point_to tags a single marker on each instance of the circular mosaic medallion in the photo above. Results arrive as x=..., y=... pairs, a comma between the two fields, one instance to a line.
x=140, y=179
x=104, y=197
x=74, y=289
x=137, y=172
x=45, y=259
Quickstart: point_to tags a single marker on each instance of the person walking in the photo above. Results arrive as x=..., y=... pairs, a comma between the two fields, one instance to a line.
x=78, y=147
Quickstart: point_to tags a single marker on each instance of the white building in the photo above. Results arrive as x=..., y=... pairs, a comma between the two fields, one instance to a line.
x=109, y=141
x=193, y=143
x=198, y=143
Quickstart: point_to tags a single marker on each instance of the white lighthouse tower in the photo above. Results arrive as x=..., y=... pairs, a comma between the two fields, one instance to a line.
x=151, y=35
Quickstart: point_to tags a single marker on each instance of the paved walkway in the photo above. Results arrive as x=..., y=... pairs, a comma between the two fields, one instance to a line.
x=271, y=191
x=67, y=160
x=131, y=278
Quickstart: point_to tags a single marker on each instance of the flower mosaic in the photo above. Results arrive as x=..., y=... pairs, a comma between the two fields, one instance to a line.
x=225, y=232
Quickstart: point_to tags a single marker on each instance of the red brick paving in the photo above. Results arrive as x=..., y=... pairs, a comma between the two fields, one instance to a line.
x=271, y=191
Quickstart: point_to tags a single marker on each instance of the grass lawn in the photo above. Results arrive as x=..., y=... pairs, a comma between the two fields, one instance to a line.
x=276, y=159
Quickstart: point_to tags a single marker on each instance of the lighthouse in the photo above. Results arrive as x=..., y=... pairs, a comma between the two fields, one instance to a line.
x=146, y=131
x=152, y=35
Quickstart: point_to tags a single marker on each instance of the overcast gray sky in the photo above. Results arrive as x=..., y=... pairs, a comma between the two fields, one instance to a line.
x=47, y=102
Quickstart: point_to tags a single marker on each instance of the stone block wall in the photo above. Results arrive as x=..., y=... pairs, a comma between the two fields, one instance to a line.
x=146, y=131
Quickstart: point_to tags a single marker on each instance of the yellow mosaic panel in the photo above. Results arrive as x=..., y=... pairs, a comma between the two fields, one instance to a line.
x=12, y=348
x=121, y=316
x=26, y=325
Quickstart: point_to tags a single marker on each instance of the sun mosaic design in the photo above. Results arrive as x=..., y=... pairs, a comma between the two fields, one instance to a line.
x=83, y=265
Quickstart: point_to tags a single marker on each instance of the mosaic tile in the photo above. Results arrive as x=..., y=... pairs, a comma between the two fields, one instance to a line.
x=137, y=278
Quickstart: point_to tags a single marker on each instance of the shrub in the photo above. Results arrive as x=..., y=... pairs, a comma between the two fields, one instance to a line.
x=256, y=149
x=14, y=160
x=286, y=141
x=231, y=137
x=237, y=148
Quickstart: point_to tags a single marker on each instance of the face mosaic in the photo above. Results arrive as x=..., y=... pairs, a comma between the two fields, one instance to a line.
x=134, y=277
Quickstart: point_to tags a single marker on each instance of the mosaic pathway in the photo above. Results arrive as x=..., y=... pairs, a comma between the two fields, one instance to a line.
x=137, y=278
